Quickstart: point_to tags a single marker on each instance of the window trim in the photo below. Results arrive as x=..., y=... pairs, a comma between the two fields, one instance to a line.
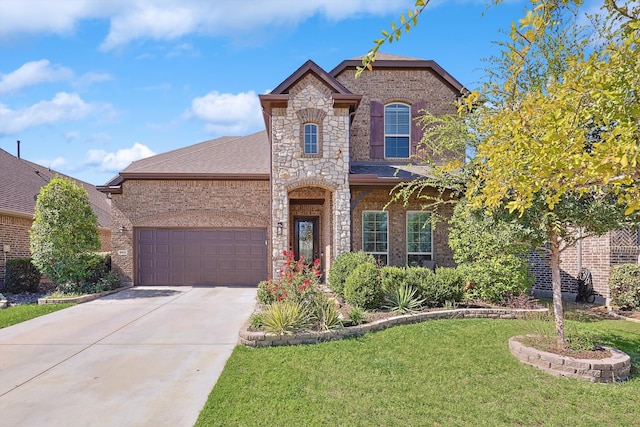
x=396, y=135
x=304, y=139
x=386, y=213
x=408, y=253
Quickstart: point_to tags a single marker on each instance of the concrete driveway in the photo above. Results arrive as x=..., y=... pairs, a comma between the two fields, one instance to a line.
x=142, y=357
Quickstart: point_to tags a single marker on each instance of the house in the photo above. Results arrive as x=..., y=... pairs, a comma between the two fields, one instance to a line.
x=21, y=182
x=315, y=181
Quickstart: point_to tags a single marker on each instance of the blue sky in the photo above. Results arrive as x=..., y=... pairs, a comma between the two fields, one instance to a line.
x=88, y=86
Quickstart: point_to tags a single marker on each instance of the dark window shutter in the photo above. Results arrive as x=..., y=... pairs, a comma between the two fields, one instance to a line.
x=416, y=126
x=377, y=130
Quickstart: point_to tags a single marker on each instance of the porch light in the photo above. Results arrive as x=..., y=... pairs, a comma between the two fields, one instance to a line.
x=279, y=227
x=121, y=229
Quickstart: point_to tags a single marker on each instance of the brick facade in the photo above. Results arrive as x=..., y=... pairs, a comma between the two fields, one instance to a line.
x=595, y=253
x=393, y=85
x=375, y=199
x=183, y=203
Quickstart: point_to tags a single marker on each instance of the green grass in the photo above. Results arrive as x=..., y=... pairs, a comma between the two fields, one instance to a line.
x=12, y=315
x=437, y=373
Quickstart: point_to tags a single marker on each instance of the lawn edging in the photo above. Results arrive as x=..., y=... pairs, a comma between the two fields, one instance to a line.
x=82, y=298
x=251, y=338
x=608, y=370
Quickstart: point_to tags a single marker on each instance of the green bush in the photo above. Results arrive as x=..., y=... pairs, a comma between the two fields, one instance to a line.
x=344, y=265
x=21, y=276
x=363, y=287
x=495, y=279
x=624, y=283
x=445, y=284
x=392, y=277
x=357, y=315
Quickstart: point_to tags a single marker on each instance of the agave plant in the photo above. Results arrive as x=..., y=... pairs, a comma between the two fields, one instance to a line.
x=286, y=317
x=327, y=313
x=402, y=299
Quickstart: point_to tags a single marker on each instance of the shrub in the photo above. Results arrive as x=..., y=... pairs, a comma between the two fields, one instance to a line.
x=363, y=288
x=64, y=226
x=357, y=315
x=344, y=265
x=624, y=283
x=446, y=284
x=494, y=279
x=402, y=299
x=285, y=317
x=297, y=281
x=21, y=276
x=392, y=277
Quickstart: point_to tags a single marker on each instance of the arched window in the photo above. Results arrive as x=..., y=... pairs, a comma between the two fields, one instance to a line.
x=310, y=138
x=397, y=130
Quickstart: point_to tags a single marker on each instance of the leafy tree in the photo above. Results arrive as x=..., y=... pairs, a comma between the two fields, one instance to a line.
x=64, y=229
x=555, y=131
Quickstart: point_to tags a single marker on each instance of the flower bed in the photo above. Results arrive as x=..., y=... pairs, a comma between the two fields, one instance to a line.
x=611, y=369
x=252, y=338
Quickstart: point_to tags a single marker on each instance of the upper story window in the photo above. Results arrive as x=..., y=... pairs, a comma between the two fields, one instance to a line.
x=310, y=138
x=397, y=130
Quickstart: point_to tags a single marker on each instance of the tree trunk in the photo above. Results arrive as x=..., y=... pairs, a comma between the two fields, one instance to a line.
x=556, y=285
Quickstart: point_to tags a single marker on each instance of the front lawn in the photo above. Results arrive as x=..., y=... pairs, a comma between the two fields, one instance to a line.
x=436, y=373
x=19, y=313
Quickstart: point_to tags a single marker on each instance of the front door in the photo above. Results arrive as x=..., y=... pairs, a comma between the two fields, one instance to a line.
x=306, y=242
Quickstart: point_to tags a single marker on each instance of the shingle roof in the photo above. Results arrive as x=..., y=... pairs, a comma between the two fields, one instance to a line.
x=388, y=170
x=21, y=182
x=232, y=156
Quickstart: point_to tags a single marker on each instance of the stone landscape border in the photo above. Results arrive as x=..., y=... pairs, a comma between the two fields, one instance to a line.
x=609, y=370
x=81, y=298
x=263, y=339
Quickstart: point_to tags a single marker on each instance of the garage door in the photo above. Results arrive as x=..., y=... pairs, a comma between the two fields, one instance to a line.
x=201, y=257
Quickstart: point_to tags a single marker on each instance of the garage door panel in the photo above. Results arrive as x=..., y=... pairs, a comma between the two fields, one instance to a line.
x=196, y=256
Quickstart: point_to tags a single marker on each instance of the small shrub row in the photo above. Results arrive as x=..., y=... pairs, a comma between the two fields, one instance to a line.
x=624, y=283
x=356, y=277
x=21, y=276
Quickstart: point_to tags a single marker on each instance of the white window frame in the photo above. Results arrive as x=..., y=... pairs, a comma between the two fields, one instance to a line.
x=397, y=135
x=430, y=254
x=376, y=253
x=304, y=138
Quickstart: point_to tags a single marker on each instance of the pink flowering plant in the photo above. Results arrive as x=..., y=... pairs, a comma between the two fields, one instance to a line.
x=297, y=281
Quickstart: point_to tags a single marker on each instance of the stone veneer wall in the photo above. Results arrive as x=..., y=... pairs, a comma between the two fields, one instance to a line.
x=375, y=199
x=393, y=85
x=292, y=169
x=183, y=203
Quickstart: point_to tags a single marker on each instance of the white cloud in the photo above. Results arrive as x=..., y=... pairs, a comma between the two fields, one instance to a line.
x=64, y=106
x=92, y=77
x=115, y=162
x=52, y=163
x=168, y=20
x=32, y=73
x=71, y=135
x=227, y=113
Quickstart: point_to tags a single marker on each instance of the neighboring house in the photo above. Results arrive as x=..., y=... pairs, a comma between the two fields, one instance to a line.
x=21, y=182
x=316, y=182
x=596, y=254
